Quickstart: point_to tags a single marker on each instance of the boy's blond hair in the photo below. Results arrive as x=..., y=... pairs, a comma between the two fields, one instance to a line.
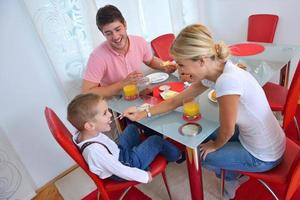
x=83, y=109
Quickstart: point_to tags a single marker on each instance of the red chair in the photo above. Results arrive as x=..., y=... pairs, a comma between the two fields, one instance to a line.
x=108, y=189
x=277, y=94
x=262, y=28
x=285, y=178
x=287, y=174
x=161, y=46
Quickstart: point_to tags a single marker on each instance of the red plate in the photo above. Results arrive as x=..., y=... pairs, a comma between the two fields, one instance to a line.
x=175, y=86
x=246, y=49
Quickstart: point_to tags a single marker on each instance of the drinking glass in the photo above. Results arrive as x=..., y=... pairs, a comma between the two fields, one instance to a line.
x=191, y=109
x=130, y=92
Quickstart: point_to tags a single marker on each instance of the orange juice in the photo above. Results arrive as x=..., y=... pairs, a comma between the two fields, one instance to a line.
x=191, y=109
x=130, y=91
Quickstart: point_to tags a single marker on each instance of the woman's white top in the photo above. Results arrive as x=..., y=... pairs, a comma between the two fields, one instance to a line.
x=102, y=163
x=260, y=132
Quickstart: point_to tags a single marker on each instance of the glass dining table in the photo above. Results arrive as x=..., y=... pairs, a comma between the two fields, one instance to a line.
x=262, y=66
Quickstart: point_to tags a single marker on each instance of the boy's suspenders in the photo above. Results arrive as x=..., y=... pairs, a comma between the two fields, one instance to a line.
x=91, y=142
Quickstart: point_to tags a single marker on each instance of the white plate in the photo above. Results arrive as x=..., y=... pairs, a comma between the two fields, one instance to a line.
x=158, y=77
x=210, y=97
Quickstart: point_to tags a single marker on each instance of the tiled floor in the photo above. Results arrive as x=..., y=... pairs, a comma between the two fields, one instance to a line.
x=77, y=185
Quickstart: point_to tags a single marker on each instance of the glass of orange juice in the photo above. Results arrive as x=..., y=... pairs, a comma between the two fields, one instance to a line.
x=191, y=109
x=130, y=92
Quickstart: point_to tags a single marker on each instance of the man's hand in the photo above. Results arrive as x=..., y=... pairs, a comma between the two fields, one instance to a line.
x=132, y=78
x=169, y=67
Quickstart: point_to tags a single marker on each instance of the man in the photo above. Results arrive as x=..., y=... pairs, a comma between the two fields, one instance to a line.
x=117, y=61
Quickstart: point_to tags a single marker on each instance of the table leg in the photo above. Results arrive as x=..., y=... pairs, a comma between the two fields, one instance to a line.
x=195, y=173
x=284, y=75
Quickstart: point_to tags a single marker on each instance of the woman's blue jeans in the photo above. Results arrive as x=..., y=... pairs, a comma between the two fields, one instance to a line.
x=234, y=157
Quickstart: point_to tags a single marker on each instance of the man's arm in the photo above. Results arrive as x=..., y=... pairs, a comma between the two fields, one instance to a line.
x=110, y=90
x=157, y=63
x=104, y=91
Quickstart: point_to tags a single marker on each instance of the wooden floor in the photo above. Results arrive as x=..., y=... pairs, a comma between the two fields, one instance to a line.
x=49, y=193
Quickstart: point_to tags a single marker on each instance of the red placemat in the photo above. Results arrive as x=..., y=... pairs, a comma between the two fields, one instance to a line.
x=246, y=49
x=175, y=86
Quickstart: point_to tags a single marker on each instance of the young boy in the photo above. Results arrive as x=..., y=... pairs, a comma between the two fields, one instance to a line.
x=127, y=159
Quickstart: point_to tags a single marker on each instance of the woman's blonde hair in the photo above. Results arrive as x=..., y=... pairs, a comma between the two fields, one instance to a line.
x=195, y=42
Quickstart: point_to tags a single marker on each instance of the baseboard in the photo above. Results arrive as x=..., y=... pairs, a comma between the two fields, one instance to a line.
x=51, y=182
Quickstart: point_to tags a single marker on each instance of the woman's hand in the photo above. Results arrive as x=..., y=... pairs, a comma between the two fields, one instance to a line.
x=207, y=148
x=133, y=114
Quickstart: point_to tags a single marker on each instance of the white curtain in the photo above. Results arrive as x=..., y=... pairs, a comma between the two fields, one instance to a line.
x=67, y=28
x=156, y=17
x=68, y=34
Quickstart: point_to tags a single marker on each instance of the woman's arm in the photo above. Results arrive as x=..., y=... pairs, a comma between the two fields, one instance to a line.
x=104, y=91
x=170, y=104
x=228, y=109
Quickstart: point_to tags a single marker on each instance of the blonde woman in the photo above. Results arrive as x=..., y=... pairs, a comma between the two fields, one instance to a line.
x=249, y=137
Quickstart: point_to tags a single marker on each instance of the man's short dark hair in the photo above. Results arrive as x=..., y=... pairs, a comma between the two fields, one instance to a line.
x=108, y=14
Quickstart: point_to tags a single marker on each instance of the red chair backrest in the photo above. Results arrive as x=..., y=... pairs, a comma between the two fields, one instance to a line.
x=63, y=136
x=262, y=28
x=291, y=102
x=161, y=46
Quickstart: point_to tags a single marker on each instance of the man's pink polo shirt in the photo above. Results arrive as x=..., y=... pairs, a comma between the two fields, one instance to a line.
x=106, y=66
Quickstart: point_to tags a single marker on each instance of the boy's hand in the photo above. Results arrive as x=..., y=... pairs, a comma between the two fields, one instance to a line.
x=150, y=176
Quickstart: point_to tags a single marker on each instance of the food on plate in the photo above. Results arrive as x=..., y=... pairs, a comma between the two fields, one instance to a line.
x=214, y=95
x=168, y=94
x=165, y=63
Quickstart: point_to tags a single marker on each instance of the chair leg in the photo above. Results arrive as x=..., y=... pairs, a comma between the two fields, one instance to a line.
x=297, y=127
x=98, y=195
x=284, y=75
x=269, y=189
x=222, y=182
x=166, y=184
x=124, y=193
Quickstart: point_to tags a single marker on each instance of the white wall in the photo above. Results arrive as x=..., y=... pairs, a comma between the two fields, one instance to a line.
x=28, y=82
x=27, y=85
x=228, y=19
